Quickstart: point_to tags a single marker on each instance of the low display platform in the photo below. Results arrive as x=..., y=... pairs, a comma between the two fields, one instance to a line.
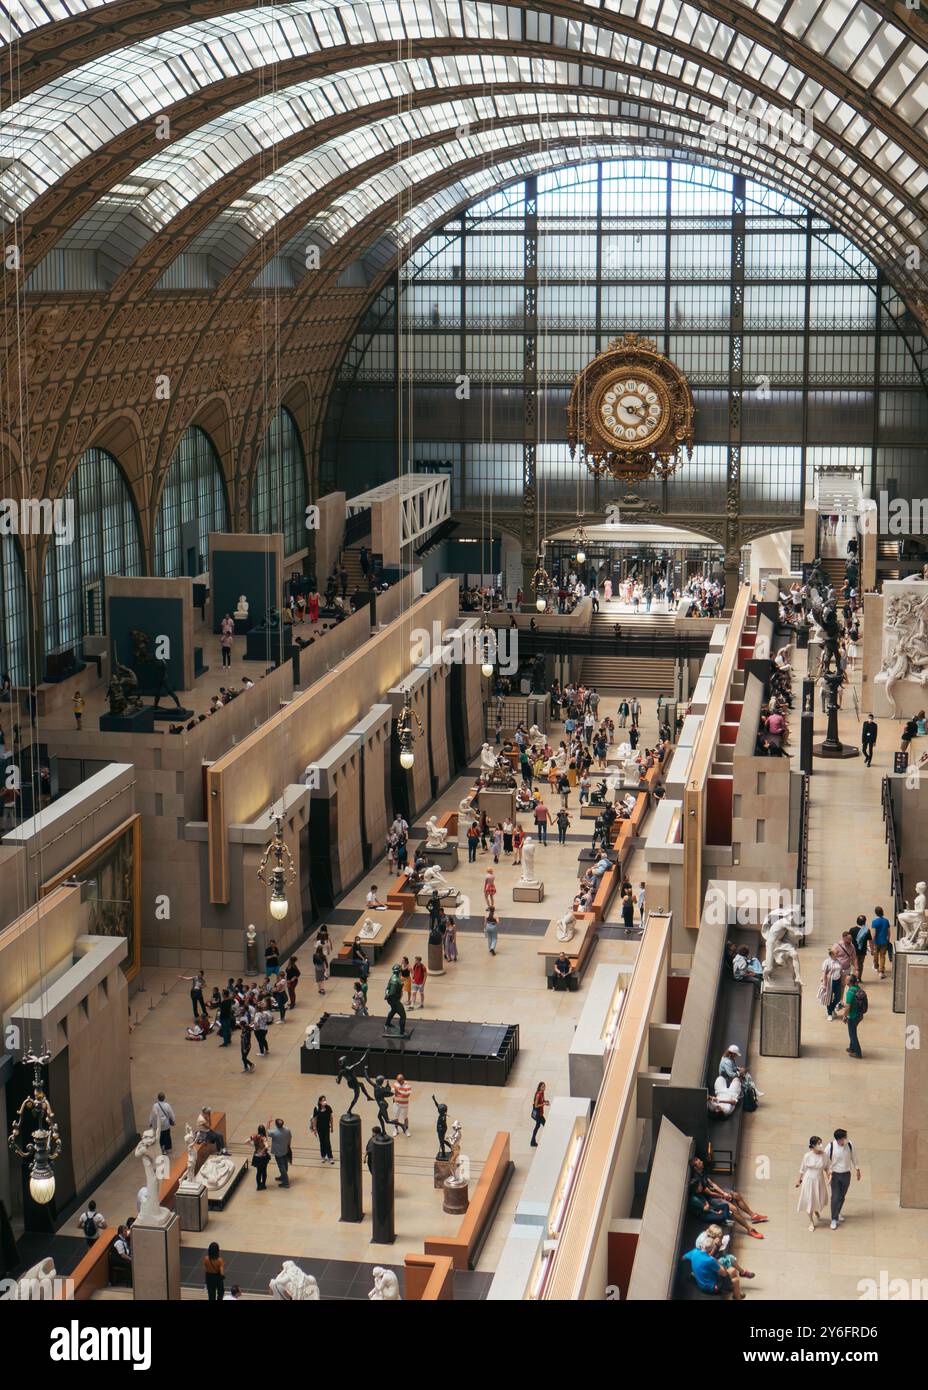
x=221, y=1195
x=470, y=1054
x=140, y=721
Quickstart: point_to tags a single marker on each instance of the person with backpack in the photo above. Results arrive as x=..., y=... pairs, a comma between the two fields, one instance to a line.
x=91, y=1222
x=843, y=1162
x=162, y=1121
x=853, y=1010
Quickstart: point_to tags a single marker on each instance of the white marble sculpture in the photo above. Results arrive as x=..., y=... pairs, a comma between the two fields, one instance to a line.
x=914, y=922
x=369, y=929
x=294, y=1285
x=487, y=759
x=566, y=927
x=386, y=1286
x=217, y=1171
x=464, y=807
x=151, y=1212
x=905, y=633
x=436, y=835
x=780, y=952
x=528, y=861
x=313, y=1037
x=432, y=877
x=535, y=735
x=190, y=1145
x=560, y=760
x=242, y=609
x=35, y=1283
x=631, y=772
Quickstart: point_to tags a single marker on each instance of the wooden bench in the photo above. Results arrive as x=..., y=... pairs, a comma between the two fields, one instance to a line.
x=428, y=1278
x=464, y=1248
x=608, y=883
x=400, y=898
x=448, y=820
x=734, y=1014
x=92, y=1271
x=578, y=950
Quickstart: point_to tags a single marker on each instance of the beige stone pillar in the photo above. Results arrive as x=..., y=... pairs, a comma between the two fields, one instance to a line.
x=913, y=1178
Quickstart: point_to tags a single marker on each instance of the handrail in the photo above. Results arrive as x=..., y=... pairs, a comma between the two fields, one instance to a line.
x=892, y=848
x=802, y=865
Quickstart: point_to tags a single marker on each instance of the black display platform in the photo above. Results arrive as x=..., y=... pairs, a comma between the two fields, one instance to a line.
x=141, y=722
x=470, y=1054
x=263, y=644
x=171, y=712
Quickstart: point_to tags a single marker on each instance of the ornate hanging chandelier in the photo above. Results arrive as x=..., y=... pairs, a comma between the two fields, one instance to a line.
x=630, y=413
x=280, y=875
x=406, y=733
x=44, y=1144
x=541, y=581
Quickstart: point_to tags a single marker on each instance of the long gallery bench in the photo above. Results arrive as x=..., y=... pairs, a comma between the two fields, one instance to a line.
x=464, y=1248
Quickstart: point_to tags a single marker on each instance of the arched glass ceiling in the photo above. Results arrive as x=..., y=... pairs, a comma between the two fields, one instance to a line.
x=49, y=131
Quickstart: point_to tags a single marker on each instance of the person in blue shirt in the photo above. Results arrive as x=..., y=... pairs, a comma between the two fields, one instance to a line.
x=861, y=936
x=710, y=1276
x=879, y=938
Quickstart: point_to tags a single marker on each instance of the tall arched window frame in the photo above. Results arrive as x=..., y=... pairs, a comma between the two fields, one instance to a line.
x=14, y=613
x=278, y=493
x=194, y=490
x=102, y=538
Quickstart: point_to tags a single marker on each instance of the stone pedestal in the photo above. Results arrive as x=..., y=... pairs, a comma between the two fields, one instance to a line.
x=436, y=960
x=454, y=1197
x=383, y=1230
x=156, y=1261
x=444, y=858
x=192, y=1206
x=780, y=1021
x=499, y=803
x=442, y=1172
x=901, y=962
x=913, y=1175
x=349, y=1144
x=528, y=892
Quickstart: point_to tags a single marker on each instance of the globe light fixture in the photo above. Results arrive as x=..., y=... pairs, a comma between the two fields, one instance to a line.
x=280, y=874
x=580, y=540
x=487, y=643
x=44, y=1144
x=541, y=581
x=406, y=733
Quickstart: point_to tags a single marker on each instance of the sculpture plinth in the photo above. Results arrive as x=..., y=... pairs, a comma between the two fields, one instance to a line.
x=156, y=1261
x=349, y=1143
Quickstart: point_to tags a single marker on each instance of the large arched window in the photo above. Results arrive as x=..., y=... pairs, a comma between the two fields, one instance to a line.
x=278, y=494
x=192, y=505
x=14, y=644
x=101, y=537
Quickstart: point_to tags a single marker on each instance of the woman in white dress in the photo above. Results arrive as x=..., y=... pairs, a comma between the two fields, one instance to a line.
x=607, y=590
x=814, y=1171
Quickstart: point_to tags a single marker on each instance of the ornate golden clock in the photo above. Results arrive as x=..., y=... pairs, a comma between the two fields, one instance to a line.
x=630, y=412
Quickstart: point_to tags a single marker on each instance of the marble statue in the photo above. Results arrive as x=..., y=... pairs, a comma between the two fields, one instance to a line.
x=434, y=879
x=905, y=631
x=36, y=1282
x=566, y=927
x=436, y=835
x=454, y=1139
x=535, y=735
x=528, y=861
x=242, y=609
x=777, y=928
x=631, y=772
x=294, y=1285
x=386, y=1286
x=369, y=929
x=487, y=759
x=464, y=807
x=151, y=1212
x=914, y=923
x=313, y=1037
x=190, y=1145
x=560, y=760
x=217, y=1171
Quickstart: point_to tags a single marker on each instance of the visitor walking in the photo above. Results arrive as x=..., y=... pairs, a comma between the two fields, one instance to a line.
x=812, y=1181
x=77, y=701
x=225, y=1018
x=843, y=1162
x=261, y=1157
x=406, y=977
x=281, y=997
x=829, y=993
x=319, y=969
x=489, y=889
x=868, y=733
x=91, y=1222
x=197, y=985
x=262, y=1022
x=281, y=1152
x=507, y=836
x=497, y=843
x=491, y=929
x=879, y=937
x=563, y=823
x=628, y=912
x=861, y=936
x=294, y=972
x=162, y=1120
x=542, y=820
x=402, y=1092
x=214, y=1272
x=473, y=840
x=419, y=974
x=321, y=1126
x=245, y=1032
x=518, y=840
x=852, y=1010
x=539, y=1104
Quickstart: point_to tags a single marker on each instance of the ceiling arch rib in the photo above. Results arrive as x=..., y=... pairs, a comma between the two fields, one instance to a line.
x=153, y=81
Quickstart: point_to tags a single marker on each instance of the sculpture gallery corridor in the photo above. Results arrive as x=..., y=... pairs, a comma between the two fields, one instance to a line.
x=463, y=658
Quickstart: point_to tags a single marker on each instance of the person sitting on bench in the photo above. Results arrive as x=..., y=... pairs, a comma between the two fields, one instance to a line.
x=703, y=1183
x=727, y=1096
x=709, y=1207
x=121, y=1253
x=562, y=969
x=205, y=1134
x=711, y=1274
x=743, y=966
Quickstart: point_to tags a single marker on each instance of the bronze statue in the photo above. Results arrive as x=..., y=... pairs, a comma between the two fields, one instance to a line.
x=346, y=1072
x=393, y=994
x=382, y=1093
x=441, y=1128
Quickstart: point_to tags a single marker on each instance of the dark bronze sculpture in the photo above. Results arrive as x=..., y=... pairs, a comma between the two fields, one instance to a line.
x=441, y=1128
x=393, y=994
x=382, y=1093
x=346, y=1072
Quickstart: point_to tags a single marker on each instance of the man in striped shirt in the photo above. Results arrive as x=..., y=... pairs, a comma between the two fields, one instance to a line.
x=401, y=1094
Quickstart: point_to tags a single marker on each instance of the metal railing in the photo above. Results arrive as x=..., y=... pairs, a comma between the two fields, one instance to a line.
x=357, y=526
x=802, y=863
x=892, y=848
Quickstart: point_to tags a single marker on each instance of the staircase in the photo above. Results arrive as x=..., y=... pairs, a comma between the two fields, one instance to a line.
x=351, y=559
x=835, y=571
x=631, y=675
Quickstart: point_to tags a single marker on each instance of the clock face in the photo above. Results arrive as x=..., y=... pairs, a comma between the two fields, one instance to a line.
x=633, y=409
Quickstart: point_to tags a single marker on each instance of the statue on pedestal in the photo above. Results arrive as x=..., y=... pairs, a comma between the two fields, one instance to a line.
x=441, y=1128
x=382, y=1093
x=433, y=878
x=151, y=1212
x=905, y=624
x=217, y=1171
x=241, y=611
x=487, y=759
x=535, y=735
x=914, y=923
x=528, y=861
x=386, y=1286
x=369, y=929
x=393, y=994
x=346, y=1073
x=566, y=926
x=464, y=805
x=436, y=835
x=631, y=772
x=294, y=1285
x=777, y=929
